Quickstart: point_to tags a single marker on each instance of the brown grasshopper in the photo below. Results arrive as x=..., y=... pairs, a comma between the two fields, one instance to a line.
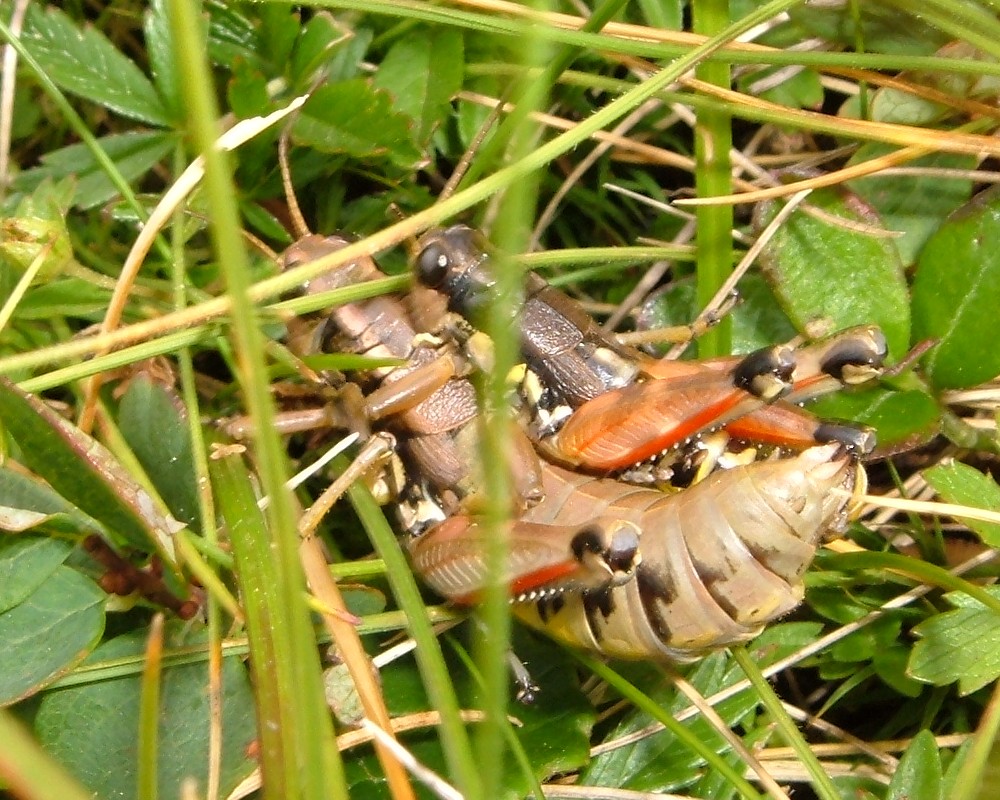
x=621, y=569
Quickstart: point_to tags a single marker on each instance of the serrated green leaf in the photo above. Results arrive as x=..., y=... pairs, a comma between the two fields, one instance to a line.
x=961, y=645
x=314, y=47
x=279, y=27
x=660, y=763
x=91, y=728
x=85, y=63
x=956, y=293
x=83, y=472
x=352, y=117
x=248, y=95
x=232, y=37
x=26, y=562
x=964, y=485
x=49, y=632
x=820, y=270
x=134, y=153
x=918, y=776
x=423, y=74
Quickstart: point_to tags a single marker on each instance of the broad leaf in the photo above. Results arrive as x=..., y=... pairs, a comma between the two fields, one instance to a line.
x=956, y=293
x=423, y=73
x=913, y=205
x=824, y=270
x=162, y=63
x=27, y=499
x=84, y=472
x=49, y=632
x=134, y=154
x=961, y=645
x=903, y=419
x=85, y=63
x=962, y=484
x=91, y=727
x=354, y=118
x=26, y=562
x=918, y=776
x=154, y=424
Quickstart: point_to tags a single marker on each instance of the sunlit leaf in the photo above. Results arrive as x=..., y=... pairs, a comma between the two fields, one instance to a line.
x=962, y=645
x=840, y=273
x=965, y=485
x=956, y=293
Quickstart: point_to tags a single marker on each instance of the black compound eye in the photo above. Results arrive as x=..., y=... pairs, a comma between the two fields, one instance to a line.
x=432, y=265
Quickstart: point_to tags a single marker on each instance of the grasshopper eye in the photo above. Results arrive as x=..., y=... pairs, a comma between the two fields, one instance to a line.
x=432, y=265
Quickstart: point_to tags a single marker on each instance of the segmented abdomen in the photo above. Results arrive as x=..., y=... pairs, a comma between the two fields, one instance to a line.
x=717, y=561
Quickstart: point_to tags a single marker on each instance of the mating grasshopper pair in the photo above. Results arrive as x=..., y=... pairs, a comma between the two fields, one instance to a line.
x=596, y=558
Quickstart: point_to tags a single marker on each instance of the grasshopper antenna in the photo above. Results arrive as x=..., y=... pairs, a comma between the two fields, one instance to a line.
x=466, y=160
x=299, y=227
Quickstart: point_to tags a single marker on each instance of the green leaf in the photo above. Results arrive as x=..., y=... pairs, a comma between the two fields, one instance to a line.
x=821, y=270
x=232, y=37
x=247, y=94
x=961, y=645
x=49, y=632
x=890, y=663
x=319, y=39
x=134, y=153
x=286, y=667
x=91, y=728
x=423, y=73
x=83, y=472
x=918, y=776
x=962, y=484
x=667, y=14
x=27, y=499
x=85, y=63
x=25, y=238
x=914, y=205
x=353, y=118
x=68, y=297
x=26, y=562
x=559, y=705
x=154, y=424
x=757, y=319
x=956, y=293
x=660, y=762
x=887, y=29
x=162, y=63
x=903, y=419
x=279, y=27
